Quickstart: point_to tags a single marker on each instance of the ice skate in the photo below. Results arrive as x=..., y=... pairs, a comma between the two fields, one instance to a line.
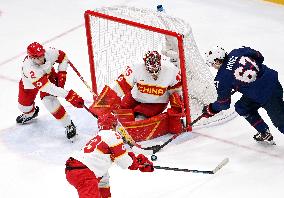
x=71, y=131
x=24, y=118
x=264, y=138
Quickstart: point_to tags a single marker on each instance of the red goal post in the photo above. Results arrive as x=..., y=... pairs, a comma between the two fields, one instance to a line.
x=118, y=36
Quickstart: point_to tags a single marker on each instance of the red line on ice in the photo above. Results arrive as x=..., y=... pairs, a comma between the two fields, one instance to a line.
x=240, y=145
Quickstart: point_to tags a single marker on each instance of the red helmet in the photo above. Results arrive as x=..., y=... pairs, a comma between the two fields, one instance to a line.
x=35, y=50
x=107, y=121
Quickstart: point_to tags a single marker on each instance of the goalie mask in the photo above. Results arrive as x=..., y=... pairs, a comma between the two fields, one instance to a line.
x=215, y=56
x=107, y=121
x=152, y=61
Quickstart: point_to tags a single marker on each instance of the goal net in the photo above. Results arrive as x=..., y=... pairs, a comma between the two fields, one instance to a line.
x=120, y=36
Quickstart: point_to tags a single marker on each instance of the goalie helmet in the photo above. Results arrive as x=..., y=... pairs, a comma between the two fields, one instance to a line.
x=215, y=53
x=107, y=121
x=152, y=61
x=35, y=50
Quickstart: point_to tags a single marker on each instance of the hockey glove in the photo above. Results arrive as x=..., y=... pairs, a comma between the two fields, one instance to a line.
x=135, y=163
x=75, y=99
x=208, y=111
x=61, y=78
x=140, y=162
x=145, y=165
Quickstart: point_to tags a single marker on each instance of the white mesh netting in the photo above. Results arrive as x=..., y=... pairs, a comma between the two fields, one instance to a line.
x=116, y=45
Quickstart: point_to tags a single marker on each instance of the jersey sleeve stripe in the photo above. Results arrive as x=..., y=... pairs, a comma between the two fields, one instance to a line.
x=103, y=147
x=117, y=150
x=123, y=84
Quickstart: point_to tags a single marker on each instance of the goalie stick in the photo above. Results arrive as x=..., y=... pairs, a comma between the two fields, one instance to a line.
x=217, y=168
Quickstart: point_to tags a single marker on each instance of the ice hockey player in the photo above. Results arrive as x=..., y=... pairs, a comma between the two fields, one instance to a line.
x=38, y=74
x=87, y=169
x=243, y=70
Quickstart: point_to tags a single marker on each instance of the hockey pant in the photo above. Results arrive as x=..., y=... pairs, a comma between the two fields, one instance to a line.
x=146, y=109
x=274, y=108
x=85, y=181
x=26, y=103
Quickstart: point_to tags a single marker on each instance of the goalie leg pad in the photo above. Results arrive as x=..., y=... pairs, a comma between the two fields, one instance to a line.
x=106, y=102
x=124, y=115
x=147, y=129
x=175, y=121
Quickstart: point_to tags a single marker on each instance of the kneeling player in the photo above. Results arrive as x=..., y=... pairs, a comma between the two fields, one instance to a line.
x=87, y=170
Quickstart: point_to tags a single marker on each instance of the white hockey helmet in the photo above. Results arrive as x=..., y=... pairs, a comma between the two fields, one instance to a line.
x=215, y=53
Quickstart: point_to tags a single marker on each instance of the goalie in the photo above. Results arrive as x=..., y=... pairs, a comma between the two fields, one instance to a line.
x=145, y=89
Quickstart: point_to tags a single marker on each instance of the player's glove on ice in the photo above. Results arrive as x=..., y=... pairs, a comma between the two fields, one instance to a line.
x=208, y=111
x=75, y=99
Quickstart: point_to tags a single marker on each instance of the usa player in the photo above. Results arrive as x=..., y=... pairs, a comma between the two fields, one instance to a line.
x=243, y=70
x=38, y=74
x=87, y=169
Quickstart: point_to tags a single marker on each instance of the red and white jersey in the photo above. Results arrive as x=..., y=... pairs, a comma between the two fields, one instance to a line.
x=36, y=76
x=144, y=88
x=101, y=151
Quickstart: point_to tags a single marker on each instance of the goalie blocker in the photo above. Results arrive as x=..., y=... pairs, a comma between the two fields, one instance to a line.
x=141, y=130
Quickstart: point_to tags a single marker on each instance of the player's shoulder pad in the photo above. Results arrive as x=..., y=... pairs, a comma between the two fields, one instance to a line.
x=51, y=54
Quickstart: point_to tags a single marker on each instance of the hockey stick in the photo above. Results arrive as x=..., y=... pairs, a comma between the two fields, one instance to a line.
x=217, y=168
x=157, y=148
x=129, y=140
x=81, y=78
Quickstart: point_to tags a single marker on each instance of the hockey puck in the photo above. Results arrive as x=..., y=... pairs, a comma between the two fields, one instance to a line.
x=154, y=157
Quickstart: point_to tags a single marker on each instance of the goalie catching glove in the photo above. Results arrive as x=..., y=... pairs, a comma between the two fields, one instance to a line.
x=140, y=162
x=208, y=111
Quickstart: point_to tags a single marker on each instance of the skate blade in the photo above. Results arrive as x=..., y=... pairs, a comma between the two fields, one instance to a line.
x=269, y=143
x=73, y=139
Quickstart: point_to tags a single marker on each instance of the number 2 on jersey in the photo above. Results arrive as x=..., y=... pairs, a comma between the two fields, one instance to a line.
x=32, y=73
